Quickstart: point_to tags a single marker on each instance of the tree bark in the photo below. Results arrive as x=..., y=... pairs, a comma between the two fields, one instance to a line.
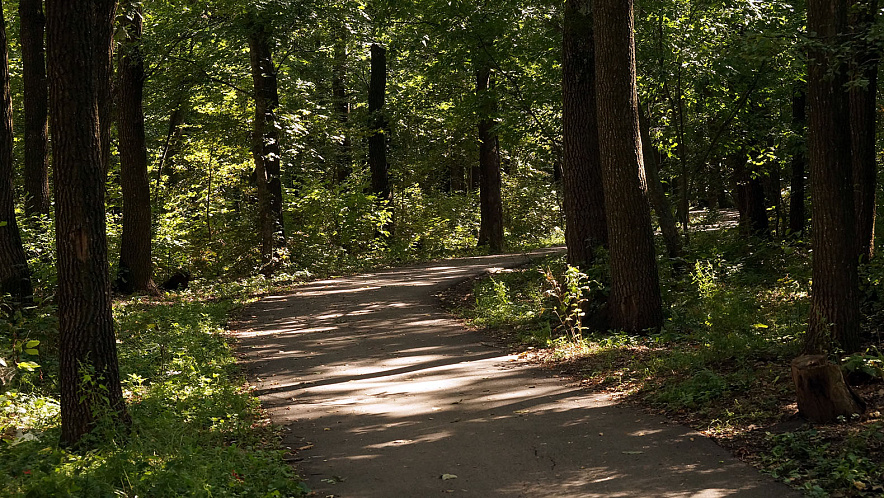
x=265, y=147
x=377, y=138
x=797, y=211
x=659, y=201
x=490, y=196
x=823, y=395
x=136, y=267
x=36, y=106
x=834, y=315
x=15, y=276
x=749, y=190
x=341, y=104
x=634, y=304
x=88, y=370
x=103, y=44
x=584, y=196
x=863, y=124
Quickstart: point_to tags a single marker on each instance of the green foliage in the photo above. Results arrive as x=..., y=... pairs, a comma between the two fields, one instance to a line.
x=195, y=431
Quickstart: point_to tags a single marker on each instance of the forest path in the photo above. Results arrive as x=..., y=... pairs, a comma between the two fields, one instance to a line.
x=385, y=395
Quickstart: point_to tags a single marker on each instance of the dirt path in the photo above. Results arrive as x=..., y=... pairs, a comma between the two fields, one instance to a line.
x=387, y=396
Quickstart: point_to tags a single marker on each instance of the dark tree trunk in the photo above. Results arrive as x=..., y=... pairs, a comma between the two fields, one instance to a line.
x=15, y=277
x=104, y=50
x=88, y=370
x=377, y=138
x=341, y=103
x=797, y=212
x=634, y=304
x=834, y=314
x=136, y=268
x=36, y=105
x=749, y=190
x=490, y=200
x=659, y=201
x=863, y=123
x=265, y=147
x=584, y=196
x=823, y=395
x=171, y=145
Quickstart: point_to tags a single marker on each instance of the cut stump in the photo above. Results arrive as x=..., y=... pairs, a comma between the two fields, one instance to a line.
x=823, y=395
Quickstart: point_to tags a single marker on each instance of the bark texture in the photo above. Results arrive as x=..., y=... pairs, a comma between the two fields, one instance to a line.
x=104, y=13
x=136, y=266
x=490, y=196
x=341, y=105
x=797, y=211
x=36, y=106
x=378, y=125
x=863, y=121
x=265, y=147
x=86, y=328
x=634, y=304
x=656, y=194
x=751, y=202
x=823, y=395
x=584, y=196
x=15, y=277
x=834, y=315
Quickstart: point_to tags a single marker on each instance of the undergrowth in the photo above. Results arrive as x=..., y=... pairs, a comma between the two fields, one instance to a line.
x=735, y=317
x=196, y=430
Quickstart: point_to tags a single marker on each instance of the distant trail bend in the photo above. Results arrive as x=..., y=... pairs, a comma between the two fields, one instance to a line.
x=385, y=395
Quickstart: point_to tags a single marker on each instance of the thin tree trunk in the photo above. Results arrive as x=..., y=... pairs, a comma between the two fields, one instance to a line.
x=634, y=304
x=15, y=277
x=834, y=315
x=749, y=190
x=659, y=201
x=36, y=106
x=344, y=160
x=490, y=196
x=377, y=139
x=584, y=196
x=863, y=125
x=136, y=267
x=88, y=370
x=797, y=212
x=265, y=148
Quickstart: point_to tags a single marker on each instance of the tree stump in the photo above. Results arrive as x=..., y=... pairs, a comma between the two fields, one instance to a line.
x=823, y=395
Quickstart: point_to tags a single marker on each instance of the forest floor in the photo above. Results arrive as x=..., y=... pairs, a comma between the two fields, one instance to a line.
x=381, y=393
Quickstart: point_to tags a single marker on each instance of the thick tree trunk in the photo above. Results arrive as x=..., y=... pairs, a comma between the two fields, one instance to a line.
x=834, y=314
x=343, y=163
x=823, y=395
x=36, y=105
x=136, y=267
x=490, y=197
x=88, y=370
x=863, y=127
x=797, y=212
x=659, y=201
x=103, y=44
x=377, y=138
x=634, y=304
x=15, y=277
x=265, y=148
x=584, y=196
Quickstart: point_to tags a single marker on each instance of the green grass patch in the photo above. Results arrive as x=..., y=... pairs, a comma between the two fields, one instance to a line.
x=196, y=430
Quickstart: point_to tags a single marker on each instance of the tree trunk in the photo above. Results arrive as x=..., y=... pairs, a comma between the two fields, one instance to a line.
x=797, y=212
x=634, y=304
x=88, y=370
x=15, y=277
x=584, y=196
x=863, y=123
x=265, y=147
x=377, y=138
x=668, y=225
x=749, y=190
x=104, y=45
x=834, y=314
x=36, y=106
x=490, y=200
x=823, y=395
x=136, y=267
x=344, y=160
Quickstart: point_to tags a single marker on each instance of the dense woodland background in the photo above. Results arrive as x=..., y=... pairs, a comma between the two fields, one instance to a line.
x=229, y=145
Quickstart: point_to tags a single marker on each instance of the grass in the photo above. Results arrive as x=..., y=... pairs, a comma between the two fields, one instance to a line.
x=196, y=429
x=736, y=314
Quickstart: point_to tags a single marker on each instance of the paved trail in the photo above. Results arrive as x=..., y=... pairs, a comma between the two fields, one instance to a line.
x=386, y=393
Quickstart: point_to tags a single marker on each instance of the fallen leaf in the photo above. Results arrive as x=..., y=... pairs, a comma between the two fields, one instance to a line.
x=305, y=447
x=447, y=477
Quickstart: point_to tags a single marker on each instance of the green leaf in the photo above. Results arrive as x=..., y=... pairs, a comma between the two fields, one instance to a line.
x=30, y=366
x=3, y=223
x=32, y=351
x=32, y=344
